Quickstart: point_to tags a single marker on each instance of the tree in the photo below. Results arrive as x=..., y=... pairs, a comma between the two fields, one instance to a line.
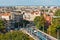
x=39, y=22
x=57, y=13
x=15, y=35
x=52, y=30
x=1, y=24
x=25, y=22
x=2, y=27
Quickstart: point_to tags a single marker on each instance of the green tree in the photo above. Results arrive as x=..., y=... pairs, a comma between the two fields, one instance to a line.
x=2, y=24
x=15, y=35
x=57, y=13
x=39, y=22
x=52, y=30
x=25, y=22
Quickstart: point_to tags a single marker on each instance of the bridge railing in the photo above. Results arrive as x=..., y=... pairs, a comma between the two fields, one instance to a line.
x=47, y=36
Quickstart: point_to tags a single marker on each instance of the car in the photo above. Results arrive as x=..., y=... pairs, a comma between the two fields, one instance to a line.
x=35, y=31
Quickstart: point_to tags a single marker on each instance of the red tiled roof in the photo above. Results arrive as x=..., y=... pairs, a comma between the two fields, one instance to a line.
x=47, y=18
x=36, y=12
x=5, y=14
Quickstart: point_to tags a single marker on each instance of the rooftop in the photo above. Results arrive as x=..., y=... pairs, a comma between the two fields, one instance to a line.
x=5, y=14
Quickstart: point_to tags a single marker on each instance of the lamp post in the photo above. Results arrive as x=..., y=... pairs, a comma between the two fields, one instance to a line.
x=58, y=34
x=43, y=25
x=43, y=28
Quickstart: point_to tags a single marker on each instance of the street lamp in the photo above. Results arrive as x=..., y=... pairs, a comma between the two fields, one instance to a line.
x=58, y=33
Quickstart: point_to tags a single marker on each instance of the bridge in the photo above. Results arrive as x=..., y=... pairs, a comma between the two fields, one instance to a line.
x=36, y=34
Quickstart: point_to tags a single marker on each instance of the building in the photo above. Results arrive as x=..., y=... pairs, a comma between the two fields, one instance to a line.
x=6, y=16
x=31, y=15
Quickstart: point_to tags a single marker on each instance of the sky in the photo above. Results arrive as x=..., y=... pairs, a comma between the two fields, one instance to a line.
x=29, y=2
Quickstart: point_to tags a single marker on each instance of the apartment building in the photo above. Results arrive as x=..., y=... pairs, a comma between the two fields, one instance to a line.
x=31, y=15
x=5, y=16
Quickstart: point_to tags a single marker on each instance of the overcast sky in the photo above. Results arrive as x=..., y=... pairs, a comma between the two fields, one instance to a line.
x=30, y=2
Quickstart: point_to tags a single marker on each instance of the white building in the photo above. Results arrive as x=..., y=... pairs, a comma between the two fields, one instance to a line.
x=5, y=16
x=31, y=15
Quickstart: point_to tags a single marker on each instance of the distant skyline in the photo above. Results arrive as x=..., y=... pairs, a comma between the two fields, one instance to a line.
x=29, y=2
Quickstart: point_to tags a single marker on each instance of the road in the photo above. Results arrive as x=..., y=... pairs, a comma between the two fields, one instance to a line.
x=37, y=34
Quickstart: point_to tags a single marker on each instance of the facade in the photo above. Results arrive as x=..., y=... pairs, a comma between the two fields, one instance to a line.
x=31, y=15
x=5, y=16
x=16, y=17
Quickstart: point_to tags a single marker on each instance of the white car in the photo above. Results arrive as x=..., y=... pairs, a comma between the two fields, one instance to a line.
x=35, y=31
